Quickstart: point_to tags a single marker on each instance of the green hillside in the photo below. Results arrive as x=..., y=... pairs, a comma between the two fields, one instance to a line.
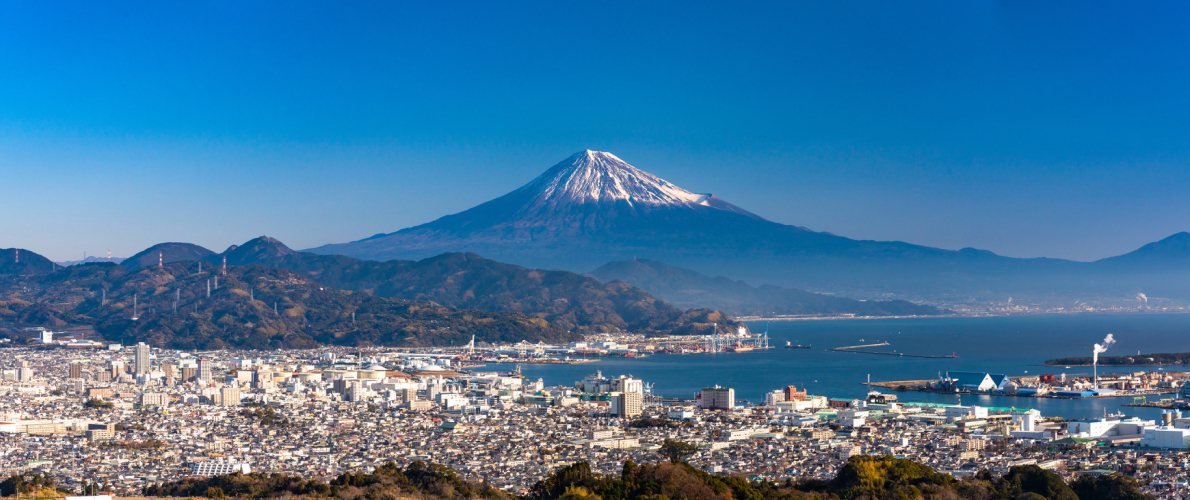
x=253, y=307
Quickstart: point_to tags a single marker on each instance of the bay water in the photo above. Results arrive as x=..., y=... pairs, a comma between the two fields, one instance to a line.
x=1011, y=345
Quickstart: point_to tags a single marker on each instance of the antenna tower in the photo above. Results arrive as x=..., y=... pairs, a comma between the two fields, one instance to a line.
x=224, y=269
x=109, y=255
x=160, y=263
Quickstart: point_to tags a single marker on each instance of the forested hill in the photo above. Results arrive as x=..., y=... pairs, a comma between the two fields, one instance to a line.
x=468, y=281
x=253, y=306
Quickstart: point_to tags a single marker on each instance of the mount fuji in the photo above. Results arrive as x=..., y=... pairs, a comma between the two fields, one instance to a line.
x=593, y=208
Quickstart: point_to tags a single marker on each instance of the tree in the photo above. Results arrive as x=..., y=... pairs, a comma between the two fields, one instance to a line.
x=214, y=492
x=676, y=450
x=1108, y=486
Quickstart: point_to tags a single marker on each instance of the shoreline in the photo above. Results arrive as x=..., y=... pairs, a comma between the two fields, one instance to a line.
x=940, y=316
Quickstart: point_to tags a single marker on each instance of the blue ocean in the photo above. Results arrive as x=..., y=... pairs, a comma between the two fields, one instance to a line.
x=1011, y=345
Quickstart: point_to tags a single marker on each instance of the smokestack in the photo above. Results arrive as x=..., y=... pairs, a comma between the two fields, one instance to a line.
x=1107, y=342
x=109, y=255
x=224, y=268
x=160, y=263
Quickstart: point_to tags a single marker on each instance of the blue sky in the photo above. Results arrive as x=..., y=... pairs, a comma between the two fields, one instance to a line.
x=1029, y=129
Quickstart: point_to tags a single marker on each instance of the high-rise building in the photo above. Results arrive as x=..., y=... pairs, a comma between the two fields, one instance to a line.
x=76, y=370
x=117, y=368
x=205, y=369
x=189, y=373
x=230, y=396
x=168, y=370
x=143, y=364
x=627, y=404
x=25, y=374
x=627, y=384
x=716, y=398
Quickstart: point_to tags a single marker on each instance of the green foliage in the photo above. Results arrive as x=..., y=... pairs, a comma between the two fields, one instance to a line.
x=862, y=478
x=570, y=301
x=880, y=476
x=268, y=417
x=25, y=483
x=1163, y=358
x=1108, y=487
x=1034, y=479
x=98, y=403
x=676, y=450
x=431, y=481
x=240, y=312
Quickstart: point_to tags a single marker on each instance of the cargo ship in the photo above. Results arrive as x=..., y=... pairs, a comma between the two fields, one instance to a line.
x=799, y=346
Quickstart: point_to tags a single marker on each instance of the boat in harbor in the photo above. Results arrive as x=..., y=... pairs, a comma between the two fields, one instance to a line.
x=789, y=345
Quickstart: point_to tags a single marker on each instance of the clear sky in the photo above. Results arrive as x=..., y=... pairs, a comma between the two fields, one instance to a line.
x=1025, y=128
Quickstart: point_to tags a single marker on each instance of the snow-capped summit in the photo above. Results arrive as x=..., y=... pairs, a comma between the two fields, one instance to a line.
x=590, y=200
x=594, y=176
x=600, y=177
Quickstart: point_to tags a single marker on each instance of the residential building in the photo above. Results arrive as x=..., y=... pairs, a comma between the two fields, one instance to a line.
x=716, y=398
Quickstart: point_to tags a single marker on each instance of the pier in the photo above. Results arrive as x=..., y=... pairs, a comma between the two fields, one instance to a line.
x=854, y=348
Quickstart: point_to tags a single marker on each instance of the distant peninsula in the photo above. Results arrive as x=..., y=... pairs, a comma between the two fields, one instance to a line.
x=1163, y=358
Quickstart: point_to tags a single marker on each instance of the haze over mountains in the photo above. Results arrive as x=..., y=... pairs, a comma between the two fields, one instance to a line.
x=594, y=208
x=684, y=288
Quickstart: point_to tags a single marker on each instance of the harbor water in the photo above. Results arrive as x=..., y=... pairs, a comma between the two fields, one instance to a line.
x=1013, y=345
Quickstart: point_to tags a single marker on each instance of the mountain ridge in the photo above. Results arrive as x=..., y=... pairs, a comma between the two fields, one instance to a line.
x=469, y=281
x=555, y=221
x=687, y=288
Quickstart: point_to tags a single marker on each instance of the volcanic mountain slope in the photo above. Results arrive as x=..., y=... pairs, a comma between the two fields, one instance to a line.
x=167, y=252
x=468, y=281
x=686, y=288
x=594, y=208
x=252, y=306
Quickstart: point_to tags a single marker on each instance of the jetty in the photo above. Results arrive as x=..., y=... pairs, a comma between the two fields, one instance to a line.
x=856, y=349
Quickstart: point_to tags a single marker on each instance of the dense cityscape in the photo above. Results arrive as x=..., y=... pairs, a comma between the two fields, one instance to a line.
x=124, y=418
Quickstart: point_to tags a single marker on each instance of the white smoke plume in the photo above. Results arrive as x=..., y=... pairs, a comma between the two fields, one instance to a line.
x=1107, y=342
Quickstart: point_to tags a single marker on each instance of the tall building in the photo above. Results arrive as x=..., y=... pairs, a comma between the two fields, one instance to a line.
x=189, y=373
x=230, y=396
x=627, y=384
x=627, y=404
x=76, y=370
x=25, y=374
x=168, y=370
x=205, y=367
x=143, y=365
x=716, y=398
x=117, y=368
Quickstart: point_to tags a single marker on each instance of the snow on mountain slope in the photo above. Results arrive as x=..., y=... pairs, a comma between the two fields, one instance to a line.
x=598, y=177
